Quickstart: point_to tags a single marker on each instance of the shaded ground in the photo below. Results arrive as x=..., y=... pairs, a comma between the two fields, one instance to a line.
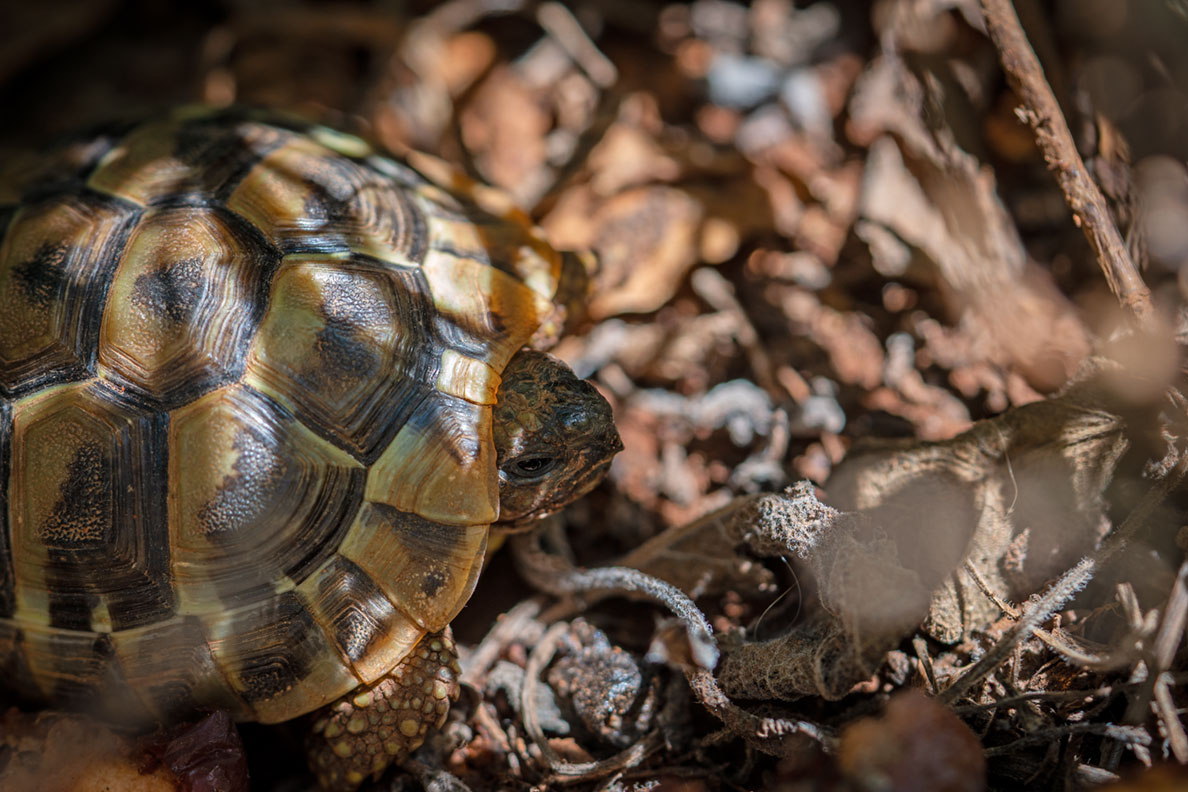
x=825, y=237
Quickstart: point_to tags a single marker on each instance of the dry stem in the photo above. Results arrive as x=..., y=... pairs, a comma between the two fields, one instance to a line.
x=1042, y=112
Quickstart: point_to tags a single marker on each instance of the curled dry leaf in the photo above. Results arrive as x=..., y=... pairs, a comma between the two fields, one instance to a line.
x=1015, y=501
x=1018, y=498
x=699, y=557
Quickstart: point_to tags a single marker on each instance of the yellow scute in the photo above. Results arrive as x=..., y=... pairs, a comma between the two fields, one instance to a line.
x=441, y=465
x=425, y=568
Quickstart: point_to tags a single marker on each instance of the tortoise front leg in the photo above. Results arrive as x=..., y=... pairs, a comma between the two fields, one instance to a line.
x=371, y=727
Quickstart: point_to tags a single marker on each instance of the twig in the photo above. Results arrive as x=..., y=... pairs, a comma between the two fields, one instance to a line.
x=925, y=659
x=1033, y=614
x=1129, y=735
x=1065, y=645
x=1041, y=696
x=518, y=624
x=1042, y=112
x=560, y=23
x=1159, y=659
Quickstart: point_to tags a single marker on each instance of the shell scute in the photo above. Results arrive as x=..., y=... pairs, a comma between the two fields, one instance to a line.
x=88, y=506
x=277, y=657
x=55, y=262
x=308, y=199
x=168, y=665
x=440, y=465
x=427, y=569
x=255, y=498
x=165, y=161
x=183, y=303
x=78, y=668
x=482, y=312
x=347, y=347
x=366, y=628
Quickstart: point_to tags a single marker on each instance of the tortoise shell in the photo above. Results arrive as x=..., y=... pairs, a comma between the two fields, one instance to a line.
x=247, y=367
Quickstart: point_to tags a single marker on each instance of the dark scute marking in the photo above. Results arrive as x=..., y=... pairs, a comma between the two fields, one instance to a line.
x=342, y=350
x=275, y=648
x=272, y=494
x=70, y=606
x=502, y=243
x=221, y=149
x=353, y=606
x=15, y=674
x=481, y=256
x=171, y=290
x=42, y=276
x=463, y=337
x=337, y=504
x=118, y=493
x=259, y=469
x=267, y=258
x=419, y=538
x=81, y=516
x=7, y=598
x=341, y=353
x=391, y=382
x=80, y=288
x=432, y=583
x=328, y=200
x=410, y=381
x=417, y=233
x=175, y=290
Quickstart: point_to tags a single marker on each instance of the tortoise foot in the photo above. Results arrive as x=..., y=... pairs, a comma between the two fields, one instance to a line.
x=373, y=726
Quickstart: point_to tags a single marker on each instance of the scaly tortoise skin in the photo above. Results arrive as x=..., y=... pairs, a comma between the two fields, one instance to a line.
x=262, y=397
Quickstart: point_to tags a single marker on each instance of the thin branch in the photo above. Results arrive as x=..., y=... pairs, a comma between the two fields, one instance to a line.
x=1042, y=112
x=1128, y=735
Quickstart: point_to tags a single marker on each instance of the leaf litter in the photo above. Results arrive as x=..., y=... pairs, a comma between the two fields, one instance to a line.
x=901, y=503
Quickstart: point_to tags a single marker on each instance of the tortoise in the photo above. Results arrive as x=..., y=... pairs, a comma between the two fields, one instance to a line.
x=265, y=391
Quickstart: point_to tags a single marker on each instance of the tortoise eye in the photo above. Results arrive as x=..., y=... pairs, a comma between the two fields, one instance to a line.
x=531, y=466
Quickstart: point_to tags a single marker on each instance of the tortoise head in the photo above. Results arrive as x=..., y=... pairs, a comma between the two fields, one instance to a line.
x=554, y=438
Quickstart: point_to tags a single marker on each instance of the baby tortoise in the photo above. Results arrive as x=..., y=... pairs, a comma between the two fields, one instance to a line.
x=264, y=393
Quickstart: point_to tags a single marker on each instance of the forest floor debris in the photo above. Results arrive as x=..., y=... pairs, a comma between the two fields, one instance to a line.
x=832, y=258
